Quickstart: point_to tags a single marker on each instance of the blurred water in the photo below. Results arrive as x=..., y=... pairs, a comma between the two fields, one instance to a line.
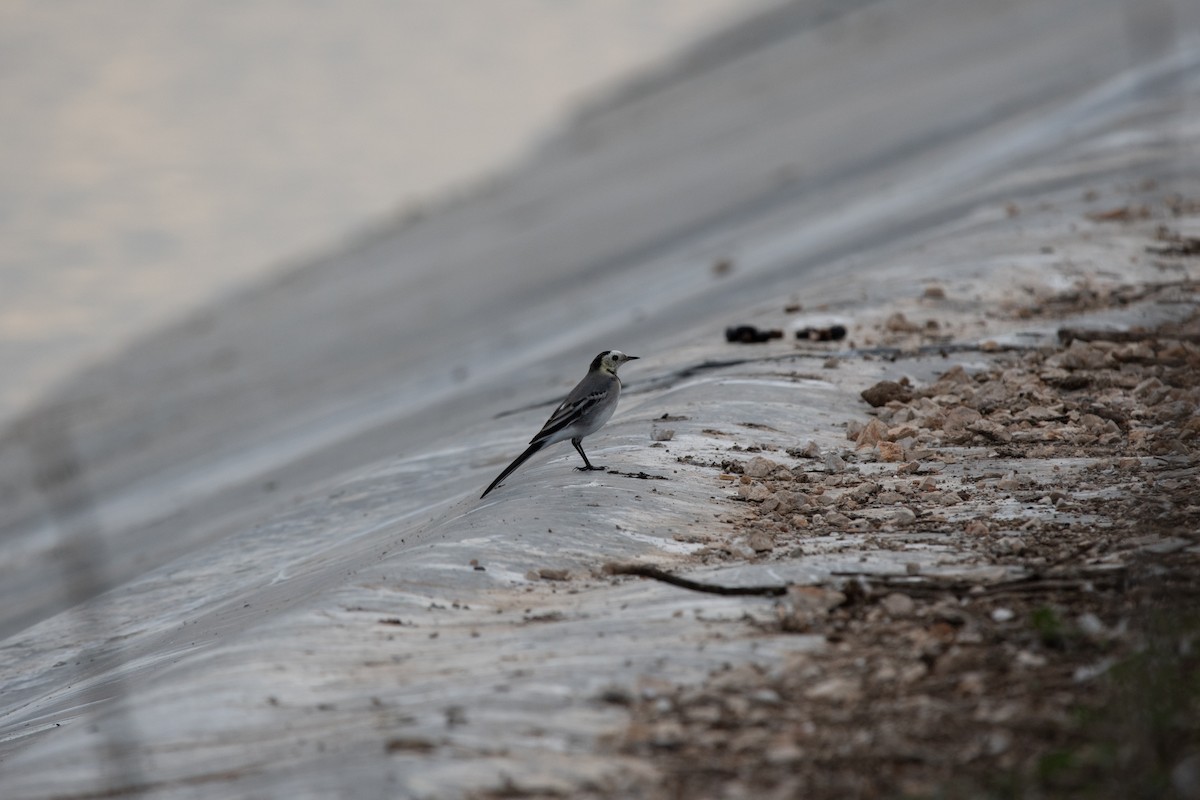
x=156, y=154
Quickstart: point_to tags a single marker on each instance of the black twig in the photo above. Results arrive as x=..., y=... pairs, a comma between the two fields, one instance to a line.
x=646, y=571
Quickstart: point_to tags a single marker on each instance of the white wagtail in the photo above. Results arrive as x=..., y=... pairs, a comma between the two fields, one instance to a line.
x=586, y=409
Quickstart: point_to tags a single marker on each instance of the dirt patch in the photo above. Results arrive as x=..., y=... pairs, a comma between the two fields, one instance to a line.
x=1061, y=659
x=1062, y=689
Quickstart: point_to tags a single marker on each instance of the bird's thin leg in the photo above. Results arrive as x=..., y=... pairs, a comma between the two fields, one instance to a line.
x=579, y=446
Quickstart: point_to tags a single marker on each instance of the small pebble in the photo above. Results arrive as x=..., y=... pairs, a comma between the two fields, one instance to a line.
x=898, y=604
x=977, y=528
x=760, y=542
x=1027, y=659
x=1091, y=625
x=835, y=463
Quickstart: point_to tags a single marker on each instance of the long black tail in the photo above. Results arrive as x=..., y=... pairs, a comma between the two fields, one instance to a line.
x=511, y=468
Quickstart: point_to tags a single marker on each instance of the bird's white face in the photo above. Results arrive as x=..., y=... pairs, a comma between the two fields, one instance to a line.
x=615, y=358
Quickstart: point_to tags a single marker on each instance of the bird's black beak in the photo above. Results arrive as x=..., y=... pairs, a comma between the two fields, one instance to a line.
x=633, y=358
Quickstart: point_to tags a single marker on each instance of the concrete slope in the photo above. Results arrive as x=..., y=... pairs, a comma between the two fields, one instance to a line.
x=267, y=521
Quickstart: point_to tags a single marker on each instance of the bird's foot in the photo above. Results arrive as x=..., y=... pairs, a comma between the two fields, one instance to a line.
x=590, y=468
